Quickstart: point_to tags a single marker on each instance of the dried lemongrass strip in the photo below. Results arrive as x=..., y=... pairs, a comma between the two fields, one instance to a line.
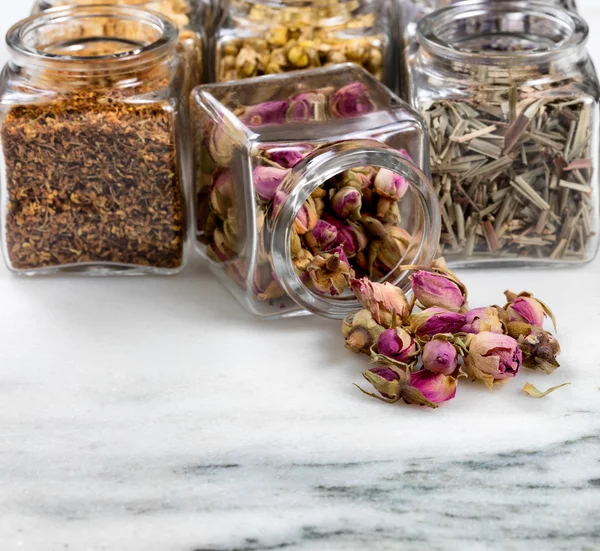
x=478, y=133
x=579, y=164
x=527, y=191
x=490, y=236
x=577, y=187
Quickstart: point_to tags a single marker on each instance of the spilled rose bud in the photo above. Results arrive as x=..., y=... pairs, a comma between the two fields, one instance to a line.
x=352, y=100
x=361, y=331
x=398, y=345
x=386, y=381
x=440, y=356
x=440, y=290
x=267, y=180
x=428, y=388
x=493, y=357
x=483, y=319
x=539, y=347
x=434, y=321
x=329, y=274
x=346, y=203
x=382, y=299
x=325, y=234
x=525, y=307
x=390, y=185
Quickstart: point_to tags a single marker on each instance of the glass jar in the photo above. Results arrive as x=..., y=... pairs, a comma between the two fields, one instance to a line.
x=90, y=136
x=511, y=99
x=187, y=14
x=292, y=170
x=268, y=37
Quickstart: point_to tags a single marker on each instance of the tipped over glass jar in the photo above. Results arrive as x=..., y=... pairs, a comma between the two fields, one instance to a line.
x=263, y=37
x=306, y=180
x=511, y=99
x=92, y=178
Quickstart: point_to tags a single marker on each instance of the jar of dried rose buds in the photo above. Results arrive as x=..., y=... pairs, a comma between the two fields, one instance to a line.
x=305, y=181
x=263, y=37
x=90, y=143
x=511, y=99
x=185, y=13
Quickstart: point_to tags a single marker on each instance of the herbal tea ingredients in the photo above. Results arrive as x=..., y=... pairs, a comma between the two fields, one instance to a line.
x=92, y=176
x=513, y=132
x=419, y=356
x=283, y=36
x=361, y=203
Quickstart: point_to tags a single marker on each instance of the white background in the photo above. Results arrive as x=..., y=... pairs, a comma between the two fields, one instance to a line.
x=107, y=385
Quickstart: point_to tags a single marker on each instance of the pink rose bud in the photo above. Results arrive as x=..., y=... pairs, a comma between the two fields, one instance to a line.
x=493, y=357
x=350, y=236
x=483, y=319
x=221, y=194
x=525, y=307
x=361, y=331
x=267, y=180
x=391, y=185
x=386, y=381
x=398, y=345
x=325, y=234
x=288, y=157
x=434, y=387
x=261, y=114
x=405, y=154
x=435, y=321
x=440, y=356
x=352, y=100
x=438, y=290
x=306, y=106
x=382, y=299
x=307, y=216
x=340, y=252
x=346, y=203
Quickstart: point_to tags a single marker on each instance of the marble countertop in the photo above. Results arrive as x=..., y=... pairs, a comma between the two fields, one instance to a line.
x=155, y=415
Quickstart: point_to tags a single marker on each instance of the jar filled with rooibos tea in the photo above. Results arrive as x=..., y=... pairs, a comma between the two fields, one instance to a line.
x=90, y=135
x=305, y=181
x=511, y=99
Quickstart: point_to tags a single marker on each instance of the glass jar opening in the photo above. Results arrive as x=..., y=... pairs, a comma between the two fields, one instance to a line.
x=347, y=243
x=502, y=33
x=83, y=39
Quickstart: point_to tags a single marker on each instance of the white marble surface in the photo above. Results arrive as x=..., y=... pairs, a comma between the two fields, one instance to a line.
x=154, y=415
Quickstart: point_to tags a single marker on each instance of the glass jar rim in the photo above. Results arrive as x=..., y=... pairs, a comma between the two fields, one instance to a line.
x=26, y=55
x=311, y=173
x=430, y=27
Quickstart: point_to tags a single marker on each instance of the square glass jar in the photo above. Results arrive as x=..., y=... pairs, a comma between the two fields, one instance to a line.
x=91, y=147
x=511, y=98
x=291, y=169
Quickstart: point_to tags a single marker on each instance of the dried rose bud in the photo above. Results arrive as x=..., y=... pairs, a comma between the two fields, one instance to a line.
x=350, y=236
x=267, y=180
x=352, y=100
x=301, y=264
x=434, y=321
x=361, y=331
x=261, y=114
x=398, y=345
x=539, y=347
x=220, y=145
x=382, y=299
x=346, y=203
x=356, y=179
x=329, y=274
x=390, y=185
x=220, y=249
x=325, y=234
x=440, y=356
x=493, y=357
x=386, y=381
x=306, y=218
x=438, y=290
x=483, y=319
x=340, y=252
x=524, y=307
x=222, y=194
x=287, y=157
x=307, y=106
x=428, y=388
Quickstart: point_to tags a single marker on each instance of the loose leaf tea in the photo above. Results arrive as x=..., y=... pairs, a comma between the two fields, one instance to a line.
x=90, y=180
x=514, y=172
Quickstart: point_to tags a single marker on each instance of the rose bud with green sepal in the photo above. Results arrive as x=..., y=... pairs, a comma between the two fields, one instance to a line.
x=361, y=331
x=325, y=235
x=346, y=203
x=483, y=319
x=428, y=388
x=440, y=355
x=434, y=321
x=390, y=185
x=441, y=290
x=350, y=235
x=398, y=344
x=525, y=307
x=329, y=274
x=267, y=180
x=386, y=302
x=493, y=358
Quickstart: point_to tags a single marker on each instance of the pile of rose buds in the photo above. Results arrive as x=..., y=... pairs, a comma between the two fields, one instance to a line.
x=420, y=350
